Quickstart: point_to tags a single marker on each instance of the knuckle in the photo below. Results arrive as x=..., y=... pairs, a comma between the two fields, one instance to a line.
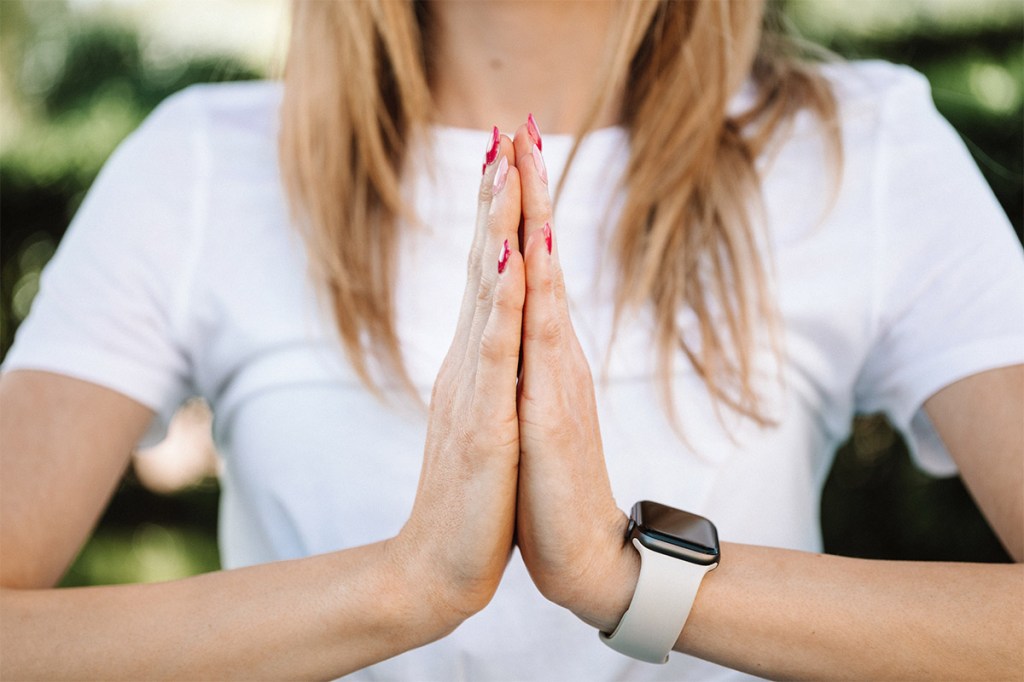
x=540, y=283
x=564, y=433
x=442, y=394
x=542, y=207
x=465, y=441
x=499, y=424
x=546, y=331
x=443, y=383
x=557, y=283
x=497, y=225
x=485, y=291
x=486, y=193
x=473, y=264
x=506, y=302
x=494, y=349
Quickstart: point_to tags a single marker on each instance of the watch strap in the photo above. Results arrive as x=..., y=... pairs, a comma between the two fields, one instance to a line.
x=664, y=595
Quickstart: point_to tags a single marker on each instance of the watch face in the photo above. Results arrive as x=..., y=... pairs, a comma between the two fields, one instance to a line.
x=671, y=531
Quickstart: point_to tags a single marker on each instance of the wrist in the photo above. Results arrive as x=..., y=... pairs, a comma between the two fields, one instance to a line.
x=608, y=592
x=677, y=549
x=426, y=603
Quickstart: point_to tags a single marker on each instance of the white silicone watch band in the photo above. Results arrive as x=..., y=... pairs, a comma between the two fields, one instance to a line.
x=665, y=592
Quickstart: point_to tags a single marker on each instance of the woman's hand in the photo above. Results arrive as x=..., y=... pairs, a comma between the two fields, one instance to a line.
x=770, y=612
x=569, y=529
x=459, y=535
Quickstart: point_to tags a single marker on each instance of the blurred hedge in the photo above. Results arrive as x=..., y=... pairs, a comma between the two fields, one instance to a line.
x=76, y=88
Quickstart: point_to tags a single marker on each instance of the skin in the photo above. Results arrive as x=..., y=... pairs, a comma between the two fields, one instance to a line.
x=67, y=442
x=497, y=451
x=770, y=612
x=493, y=62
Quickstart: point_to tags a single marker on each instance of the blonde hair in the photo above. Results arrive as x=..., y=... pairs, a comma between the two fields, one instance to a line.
x=356, y=87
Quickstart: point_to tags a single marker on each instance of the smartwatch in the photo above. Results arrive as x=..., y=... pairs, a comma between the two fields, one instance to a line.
x=677, y=549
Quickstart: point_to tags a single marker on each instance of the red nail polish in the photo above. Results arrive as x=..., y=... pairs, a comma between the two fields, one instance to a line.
x=534, y=132
x=503, y=257
x=492, y=149
x=547, y=235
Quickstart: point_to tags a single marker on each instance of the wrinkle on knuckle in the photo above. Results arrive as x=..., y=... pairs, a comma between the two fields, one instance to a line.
x=485, y=194
x=464, y=441
x=554, y=426
x=443, y=384
x=584, y=378
x=497, y=224
x=498, y=423
x=485, y=291
x=565, y=434
x=539, y=284
x=547, y=331
x=473, y=265
x=542, y=208
x=557, y=284
x=494, y=349
x=506, y=303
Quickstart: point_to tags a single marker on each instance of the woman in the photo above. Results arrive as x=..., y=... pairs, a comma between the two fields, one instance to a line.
x=785, y=250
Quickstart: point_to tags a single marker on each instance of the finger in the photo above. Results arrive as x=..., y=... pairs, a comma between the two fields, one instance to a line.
x=546, y=327
x=498, y=146
x=502, y=228
x=498, y=357
x=495, y=144
x=532, y=169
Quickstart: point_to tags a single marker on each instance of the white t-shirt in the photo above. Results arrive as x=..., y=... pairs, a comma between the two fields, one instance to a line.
x=181, y=274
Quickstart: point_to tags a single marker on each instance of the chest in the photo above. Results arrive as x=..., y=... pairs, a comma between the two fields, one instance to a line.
x=316, y=462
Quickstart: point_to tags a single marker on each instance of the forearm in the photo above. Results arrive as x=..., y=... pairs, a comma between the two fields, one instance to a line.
x=311, y=618
x=786, y=614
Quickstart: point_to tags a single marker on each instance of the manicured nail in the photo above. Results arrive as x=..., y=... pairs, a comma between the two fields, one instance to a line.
x=547, y=235
x=492, y=149
x=501, y=175
x=534, y=132
x=538, y=161
x=503, y=257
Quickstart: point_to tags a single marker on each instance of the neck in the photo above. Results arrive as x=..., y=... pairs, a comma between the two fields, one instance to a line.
x=494, y=62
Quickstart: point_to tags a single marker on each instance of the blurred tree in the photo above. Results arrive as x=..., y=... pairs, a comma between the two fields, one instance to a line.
x=876, y=502
x=78, y=88
x=71, y=88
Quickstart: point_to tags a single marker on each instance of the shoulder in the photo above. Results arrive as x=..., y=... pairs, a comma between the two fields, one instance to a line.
x=881, y=104
x=247, y=107
x=889, y=130
x=219, y=135
x=859, y=83
x=880, y=108
x=158, y=183
x=182, y=139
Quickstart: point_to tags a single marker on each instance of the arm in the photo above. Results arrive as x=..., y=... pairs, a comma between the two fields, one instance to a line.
x=785, y=614
x=65, y=443
x=980, y=421
x=771, y=612
x=794, y=614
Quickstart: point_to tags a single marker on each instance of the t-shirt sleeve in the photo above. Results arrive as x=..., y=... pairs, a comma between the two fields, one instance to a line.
x=949, y=278
x=111, y=304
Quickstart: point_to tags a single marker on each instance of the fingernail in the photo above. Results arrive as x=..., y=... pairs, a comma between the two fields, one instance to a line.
x=499, y=177
x=492, y=149
x=538, y=161
x=547, y=235
x=534, y=132
x=503, y=257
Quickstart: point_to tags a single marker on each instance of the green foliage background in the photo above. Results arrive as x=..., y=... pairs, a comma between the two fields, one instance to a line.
x=79, y=88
